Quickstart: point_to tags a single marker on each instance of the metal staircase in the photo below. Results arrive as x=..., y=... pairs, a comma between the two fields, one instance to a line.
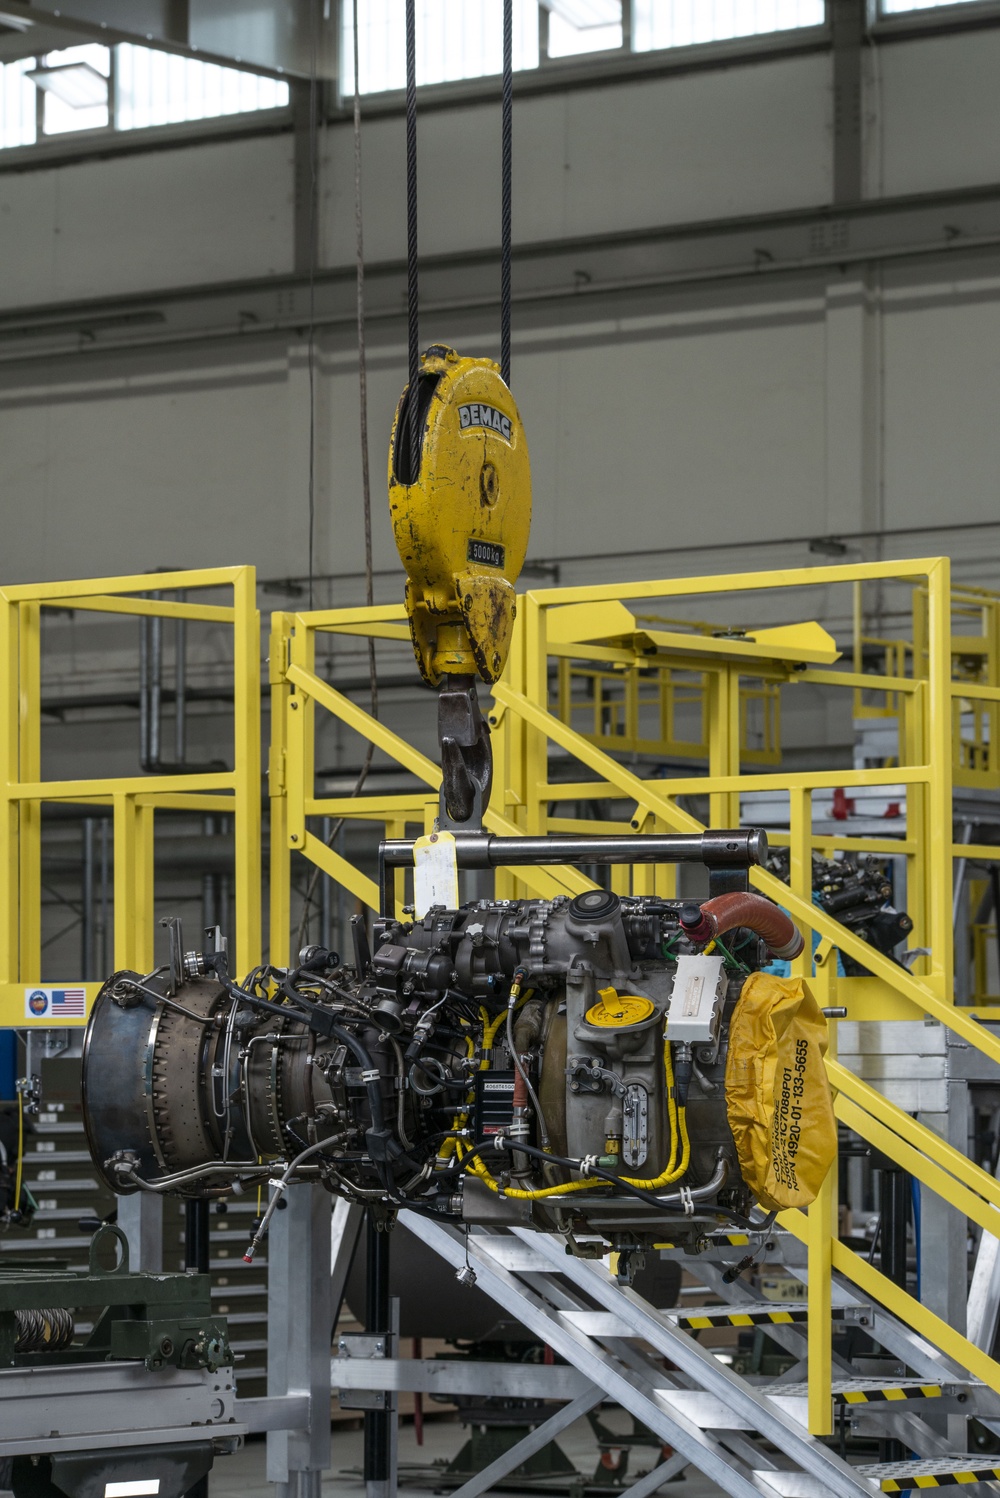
x=747, y=1435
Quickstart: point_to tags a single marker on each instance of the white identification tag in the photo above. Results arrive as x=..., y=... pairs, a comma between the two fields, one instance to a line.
x=435, y=873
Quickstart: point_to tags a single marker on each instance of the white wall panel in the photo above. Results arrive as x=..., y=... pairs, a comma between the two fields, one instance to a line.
x=186, y=469
x=941, y=378
x=589, y=161
x=933, y=117
x=212, y=212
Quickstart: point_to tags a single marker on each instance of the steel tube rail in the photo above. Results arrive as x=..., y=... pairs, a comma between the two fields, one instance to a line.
x=734, y=849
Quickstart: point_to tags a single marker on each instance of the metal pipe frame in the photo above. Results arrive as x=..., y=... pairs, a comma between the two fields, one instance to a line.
x=133, y=800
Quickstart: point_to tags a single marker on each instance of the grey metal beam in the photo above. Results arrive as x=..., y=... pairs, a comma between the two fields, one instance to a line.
x=299, y=1320
x=536, y=1440
x=847, y=21
x=455, y=1376
x=265, y=35
x=934, y=227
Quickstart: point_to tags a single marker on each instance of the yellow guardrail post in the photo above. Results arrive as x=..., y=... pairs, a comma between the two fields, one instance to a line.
x=939, y=794
x=280, y=912
x=247, y=787
x=30, y=761
x=10, y=871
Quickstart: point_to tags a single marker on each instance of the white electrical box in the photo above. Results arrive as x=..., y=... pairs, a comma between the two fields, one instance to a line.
x=696, y=1000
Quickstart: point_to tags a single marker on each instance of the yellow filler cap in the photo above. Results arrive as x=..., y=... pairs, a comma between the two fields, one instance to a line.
x=616, y=1011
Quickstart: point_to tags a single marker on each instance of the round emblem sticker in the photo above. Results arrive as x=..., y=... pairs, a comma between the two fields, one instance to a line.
x=38, y=1003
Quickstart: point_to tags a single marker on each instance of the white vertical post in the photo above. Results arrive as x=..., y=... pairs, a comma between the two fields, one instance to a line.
x=299, y=1328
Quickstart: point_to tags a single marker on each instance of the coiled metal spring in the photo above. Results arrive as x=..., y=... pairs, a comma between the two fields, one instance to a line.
x=44, y=1331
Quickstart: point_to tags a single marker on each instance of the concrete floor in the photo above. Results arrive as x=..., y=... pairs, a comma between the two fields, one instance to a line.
x=244, y=1475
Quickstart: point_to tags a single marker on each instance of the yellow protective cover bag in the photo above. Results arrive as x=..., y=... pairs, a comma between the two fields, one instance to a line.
x=777, y=1095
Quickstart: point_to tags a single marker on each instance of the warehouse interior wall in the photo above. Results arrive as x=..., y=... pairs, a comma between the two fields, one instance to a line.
x=723, y=422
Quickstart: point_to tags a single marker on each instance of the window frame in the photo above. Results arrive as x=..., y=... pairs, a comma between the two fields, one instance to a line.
x=103, y=140
x=934, y=19
x=587, y=69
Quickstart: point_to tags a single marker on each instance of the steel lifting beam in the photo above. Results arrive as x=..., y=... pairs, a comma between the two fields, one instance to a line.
x=727, y=854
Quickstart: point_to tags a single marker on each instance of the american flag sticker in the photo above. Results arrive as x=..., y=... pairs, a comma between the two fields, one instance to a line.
x=55, y=1003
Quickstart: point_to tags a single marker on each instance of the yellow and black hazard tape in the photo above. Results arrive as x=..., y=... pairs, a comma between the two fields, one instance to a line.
x=940, y=1479
x=891, y=1395
x=700, y=1320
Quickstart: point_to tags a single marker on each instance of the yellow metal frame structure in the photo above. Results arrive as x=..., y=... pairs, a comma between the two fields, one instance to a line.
x=621, y=707
x=136, y=799
x=527, y=801
x=975, y=660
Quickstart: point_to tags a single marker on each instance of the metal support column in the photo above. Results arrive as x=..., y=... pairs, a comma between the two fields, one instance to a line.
x=380, y=1425
x=140, y=1218
x=197, y=1255
x=895, y=1192
x=299, y=1324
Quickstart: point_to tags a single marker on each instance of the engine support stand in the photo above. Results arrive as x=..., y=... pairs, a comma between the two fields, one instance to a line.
x=380, y=1424
x=299, y=1317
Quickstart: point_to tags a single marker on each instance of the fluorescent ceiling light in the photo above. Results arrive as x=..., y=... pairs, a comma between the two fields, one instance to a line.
x=75, y=83
x=583, y=14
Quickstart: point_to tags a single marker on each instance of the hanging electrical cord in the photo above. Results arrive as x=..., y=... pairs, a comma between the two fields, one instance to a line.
x=366, y=493
x=506, y=171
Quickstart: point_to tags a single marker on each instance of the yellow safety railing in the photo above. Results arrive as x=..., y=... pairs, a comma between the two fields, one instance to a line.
x=296, y=693
x=974, y=625
x=528, y=799
x=644, y=709
x=25, y=998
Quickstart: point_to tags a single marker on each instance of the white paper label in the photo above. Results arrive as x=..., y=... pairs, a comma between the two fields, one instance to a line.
x=435, y=873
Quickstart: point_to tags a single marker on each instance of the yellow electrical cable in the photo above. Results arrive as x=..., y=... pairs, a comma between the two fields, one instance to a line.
x=20, y=1149
x=678, y=1131
x=479, y=1169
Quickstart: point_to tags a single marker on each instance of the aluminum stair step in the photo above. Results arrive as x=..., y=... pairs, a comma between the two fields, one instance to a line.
x=855, y=1391
x=750, y=1313
x=936, y=1472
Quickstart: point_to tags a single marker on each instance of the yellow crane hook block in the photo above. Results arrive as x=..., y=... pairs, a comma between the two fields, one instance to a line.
x=461, y=514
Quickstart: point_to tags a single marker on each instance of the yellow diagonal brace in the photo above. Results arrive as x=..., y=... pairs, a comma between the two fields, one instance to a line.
x=919, y=1165
x=810, y=916
x=880, y=966
x=902, y=1305
x=343, y=872
x=370, y=728
x=547, y=884
x=630, y=785
x=918, y=1135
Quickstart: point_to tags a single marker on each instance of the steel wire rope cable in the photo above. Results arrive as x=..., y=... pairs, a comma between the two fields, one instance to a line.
x=366, y=492
x=506, y=176
x=412, y=263
x=311, y=344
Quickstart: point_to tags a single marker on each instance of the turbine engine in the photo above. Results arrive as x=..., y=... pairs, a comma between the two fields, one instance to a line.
x=556, y=1063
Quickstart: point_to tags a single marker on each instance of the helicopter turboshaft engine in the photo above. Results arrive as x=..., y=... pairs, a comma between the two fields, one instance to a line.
x=554, y=1062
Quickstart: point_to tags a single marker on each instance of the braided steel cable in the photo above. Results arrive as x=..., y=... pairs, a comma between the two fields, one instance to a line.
x=412, y=287
x=44, y=1331
x=506, y=165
